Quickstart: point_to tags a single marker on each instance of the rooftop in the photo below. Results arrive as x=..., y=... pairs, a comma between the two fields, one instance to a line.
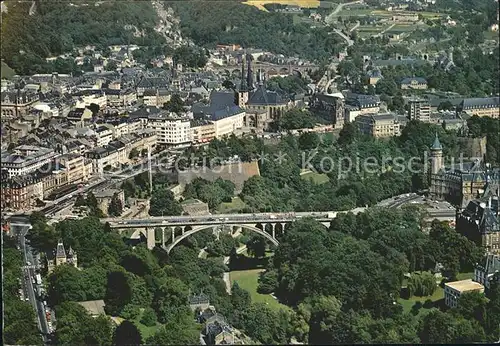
x=465, y=285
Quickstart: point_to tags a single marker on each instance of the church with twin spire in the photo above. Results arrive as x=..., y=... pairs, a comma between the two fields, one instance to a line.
x=261, y=106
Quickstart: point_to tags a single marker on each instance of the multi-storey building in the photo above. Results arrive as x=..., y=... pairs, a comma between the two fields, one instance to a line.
x=120, y=98
x=453, y=291
x=17, y=103
x=203, y=131
x=482, y=107
x=379, y=125
x=77, y=167
x=156, y=98
x=330, y=107
x=459, y=183
x=171, y=129
x=104, y=135
x=419, y=109
x=25, y=159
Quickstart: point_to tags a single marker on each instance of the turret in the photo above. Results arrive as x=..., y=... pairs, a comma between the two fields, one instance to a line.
x=60, y=253
x=436, y=156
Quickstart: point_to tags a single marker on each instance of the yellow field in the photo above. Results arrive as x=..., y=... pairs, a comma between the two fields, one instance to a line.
x=302, y=3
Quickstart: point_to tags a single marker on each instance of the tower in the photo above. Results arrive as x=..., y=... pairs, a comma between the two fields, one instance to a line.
x=60, y=253
x=242, y=97
x=72, y=257
x=249, y=73
x=436, y=156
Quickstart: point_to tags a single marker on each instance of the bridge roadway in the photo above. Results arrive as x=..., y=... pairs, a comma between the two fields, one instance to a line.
x=266, y=224
x=220, y=219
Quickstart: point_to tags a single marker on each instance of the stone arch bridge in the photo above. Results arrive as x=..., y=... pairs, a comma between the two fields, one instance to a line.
x=268, y=70
x=174, y=229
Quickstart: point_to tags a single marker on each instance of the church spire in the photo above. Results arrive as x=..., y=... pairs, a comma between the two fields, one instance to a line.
x=249, y=73
x=243, y=85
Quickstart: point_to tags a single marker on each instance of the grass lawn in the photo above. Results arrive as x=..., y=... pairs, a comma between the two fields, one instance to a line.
x=145, y=330
x=232, y=207
x=247, y=279
x=317, y=178
x=408, y=303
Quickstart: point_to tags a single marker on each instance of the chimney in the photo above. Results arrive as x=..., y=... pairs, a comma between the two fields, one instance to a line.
x=489, y=203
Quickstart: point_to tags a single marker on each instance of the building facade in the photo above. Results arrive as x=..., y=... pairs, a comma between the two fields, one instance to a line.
x=453, y=291
x=330, y=107
x=171, y=129
x=378, y=125
x=419, y=110
x=482, y=107
x=60, y=256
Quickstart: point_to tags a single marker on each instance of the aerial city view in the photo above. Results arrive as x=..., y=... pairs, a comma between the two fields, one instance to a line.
x=250, y=172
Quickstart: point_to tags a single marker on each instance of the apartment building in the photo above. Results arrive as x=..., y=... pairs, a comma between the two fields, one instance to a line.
x=156, y=98
x=78, y=168
x=482, y=107
x=419, y=110
x=120, y=98
x=203, y=131
x=170, y=129
x=379, y=125
x=107, y=157
x=25, y=159
x=453, y=291
x=104, y=135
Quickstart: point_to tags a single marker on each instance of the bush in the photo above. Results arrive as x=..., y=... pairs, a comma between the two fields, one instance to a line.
x=428, y=304
x=130, y=312
x=149, y=317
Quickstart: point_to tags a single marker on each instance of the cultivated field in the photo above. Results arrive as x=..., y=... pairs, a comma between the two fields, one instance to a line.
x=302, y=3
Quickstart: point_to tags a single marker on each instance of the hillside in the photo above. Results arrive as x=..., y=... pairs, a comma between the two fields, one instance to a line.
x=6, y=71
x=57, y=27
x=234, y=22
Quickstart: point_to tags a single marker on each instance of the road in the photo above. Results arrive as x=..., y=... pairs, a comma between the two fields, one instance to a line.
x=29, y=273
x=355, y=27
x=344, y=36
x=222, y=218
x=331, y=17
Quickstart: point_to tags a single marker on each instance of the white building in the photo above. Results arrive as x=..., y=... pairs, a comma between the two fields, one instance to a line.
x=26, y=159
x=453, y=291
x=227, y=121
x=171, y=129
x=104, y=135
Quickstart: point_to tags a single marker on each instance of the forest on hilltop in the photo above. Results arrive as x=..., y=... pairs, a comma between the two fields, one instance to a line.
x=58, y=27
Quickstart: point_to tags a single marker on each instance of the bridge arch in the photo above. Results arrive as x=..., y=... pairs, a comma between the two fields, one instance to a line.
x=194, y=230
x=283, y=71
x=297, y=73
